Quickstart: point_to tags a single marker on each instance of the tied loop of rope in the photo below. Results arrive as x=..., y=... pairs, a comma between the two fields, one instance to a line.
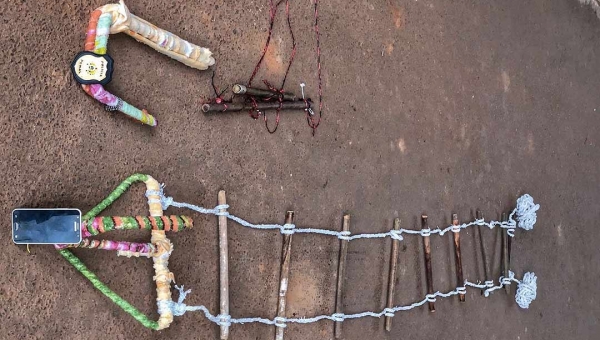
x=220, y=207
x=224, y=320
x=490, y=287
x=426, y=232
x=280, y=322
x=338, y=317
x=345, y=235
x=506, y=281
x=288, y=229
x=431, y=297
x=389, y=312
x=396, y=235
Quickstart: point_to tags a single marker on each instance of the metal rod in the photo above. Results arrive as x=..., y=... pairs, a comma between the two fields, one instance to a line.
x=458, y=259
x=505, y=254
x=223, y=265
x=242, y=89
x=337, y=331
x=486, y=267
x=428, y=269
x=392, y=278
x=260, y=106
x=284, y=274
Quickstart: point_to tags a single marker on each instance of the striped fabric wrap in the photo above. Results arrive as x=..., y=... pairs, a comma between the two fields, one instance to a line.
x=102, y=224
x=96, y=40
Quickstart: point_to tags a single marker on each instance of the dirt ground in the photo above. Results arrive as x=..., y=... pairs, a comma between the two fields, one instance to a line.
x=430, y=106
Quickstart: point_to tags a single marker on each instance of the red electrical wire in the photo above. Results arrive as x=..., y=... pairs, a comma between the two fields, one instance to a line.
x=254, y=113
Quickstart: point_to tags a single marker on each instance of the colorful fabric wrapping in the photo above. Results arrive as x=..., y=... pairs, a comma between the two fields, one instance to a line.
x=159, y=248
x=99, y=225
x=143, y=248
x=102, y=32
x=90, y=36
x=96, y=40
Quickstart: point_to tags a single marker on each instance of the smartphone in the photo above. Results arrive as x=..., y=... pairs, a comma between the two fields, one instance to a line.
x=46, y=226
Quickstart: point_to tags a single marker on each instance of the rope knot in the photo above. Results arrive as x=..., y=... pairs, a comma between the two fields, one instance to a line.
x=461, y=290
x=388, y=312
x=455, y=228
x=224, y=320
x=338, y=317
x=526, y=290
x=164, y=201
x=526, y=212
x=431, y=297
x=280, y=322
x=396, y=235
x=288, y=229
x=218, y=208
x=344, y=235
x=425, y=232
x=506, y=281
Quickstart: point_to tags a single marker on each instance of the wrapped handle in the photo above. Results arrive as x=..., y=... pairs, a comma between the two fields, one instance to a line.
x=115, y=18
x=159, y=39
x=163, y=249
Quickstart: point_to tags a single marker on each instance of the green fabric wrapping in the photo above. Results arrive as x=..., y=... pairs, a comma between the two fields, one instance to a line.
x=159, y=223
x=182, y=224
x=114, y=297
x=129, y=223
x=108, y=223
x=113, y=196
x=147, y=224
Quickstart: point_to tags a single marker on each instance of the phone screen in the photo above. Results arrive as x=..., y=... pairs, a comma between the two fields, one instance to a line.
x=46, y=226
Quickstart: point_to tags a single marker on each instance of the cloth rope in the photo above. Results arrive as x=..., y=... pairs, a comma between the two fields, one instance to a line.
x=526, y=293
x=525, y=214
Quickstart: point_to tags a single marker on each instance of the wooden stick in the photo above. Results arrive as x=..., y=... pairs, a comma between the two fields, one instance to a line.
x=337, y=331
x=486, y=267
x=223, y=265
x=260, y=106
x=241, y=89
x=428, y=269
x=505, y=254
x=458, y=259
x=284, y=274
x=392, y=278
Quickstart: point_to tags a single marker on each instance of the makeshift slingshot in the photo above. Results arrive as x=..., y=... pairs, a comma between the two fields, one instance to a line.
x=115, y=18
x=159, y=249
